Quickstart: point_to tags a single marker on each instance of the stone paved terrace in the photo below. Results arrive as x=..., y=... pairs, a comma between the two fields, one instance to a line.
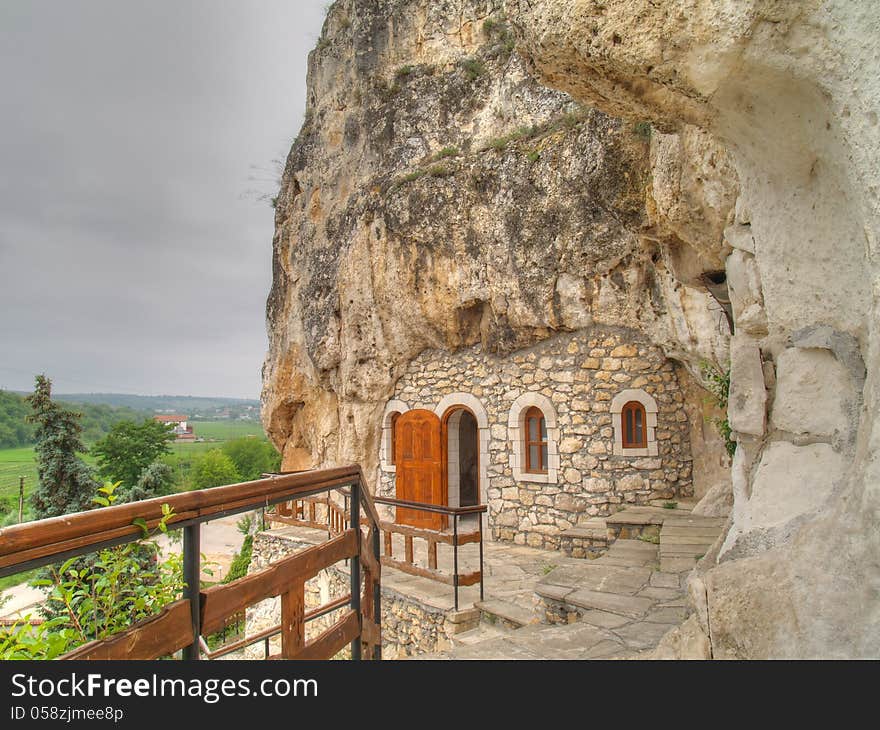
x=543, y=604
x=615, y=606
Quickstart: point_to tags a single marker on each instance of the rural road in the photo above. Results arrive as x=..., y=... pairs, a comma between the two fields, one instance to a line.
x=220, y=541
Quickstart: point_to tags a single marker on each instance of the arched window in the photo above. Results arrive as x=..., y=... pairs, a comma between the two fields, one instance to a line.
x=533, y=434
x=634, y=419
x=536, y=441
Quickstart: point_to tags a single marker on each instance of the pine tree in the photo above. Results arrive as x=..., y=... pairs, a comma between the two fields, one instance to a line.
x=66, y=483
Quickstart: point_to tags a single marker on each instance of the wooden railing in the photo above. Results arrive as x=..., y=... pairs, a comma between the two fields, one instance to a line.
x=433, y=538
x=324, y=514
x=180, y=625
x=320, y=513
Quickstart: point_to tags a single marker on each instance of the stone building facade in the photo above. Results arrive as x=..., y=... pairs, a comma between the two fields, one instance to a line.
x=583, y=383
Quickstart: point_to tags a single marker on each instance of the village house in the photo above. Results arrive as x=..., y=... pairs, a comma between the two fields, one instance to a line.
x=182, y=430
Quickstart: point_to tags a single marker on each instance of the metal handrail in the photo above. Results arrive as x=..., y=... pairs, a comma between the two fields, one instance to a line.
x=438, y=508
x=455, y=513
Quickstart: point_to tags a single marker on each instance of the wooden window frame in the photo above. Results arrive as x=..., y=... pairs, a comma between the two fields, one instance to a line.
x=541, y=467
x=633, y=407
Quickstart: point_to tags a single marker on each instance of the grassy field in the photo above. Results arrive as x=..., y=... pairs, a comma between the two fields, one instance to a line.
x=226, y=430
x=15, y=463
x=20, y=462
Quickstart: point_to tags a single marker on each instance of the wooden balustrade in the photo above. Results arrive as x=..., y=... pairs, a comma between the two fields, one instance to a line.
x=321, y=513
x=180, y=625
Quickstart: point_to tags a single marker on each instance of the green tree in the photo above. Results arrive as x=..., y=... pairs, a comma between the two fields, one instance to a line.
x=156, y=480
x=213, y=470
x=252, y=457
x=129, y=448
x=66, y=483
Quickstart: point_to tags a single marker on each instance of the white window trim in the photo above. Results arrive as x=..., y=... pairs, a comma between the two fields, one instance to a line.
x=617, y=404
x=473, y=404
x=516, y=435
x=385, y=456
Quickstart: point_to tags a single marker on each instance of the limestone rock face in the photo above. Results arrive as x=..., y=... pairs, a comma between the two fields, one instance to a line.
x=439, y=196
x=790, y=90
x=446, y=190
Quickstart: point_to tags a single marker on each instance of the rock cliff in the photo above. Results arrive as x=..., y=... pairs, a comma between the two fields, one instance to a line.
x=790, y=90
x=495, y=172
x=439, y=196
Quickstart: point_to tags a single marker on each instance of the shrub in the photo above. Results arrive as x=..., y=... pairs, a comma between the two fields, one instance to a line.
x=446, y=152
x=642, y=130
x=718, y=383
x=440, y=171
x=241, y=561
x=473, y=68
x=214, y=469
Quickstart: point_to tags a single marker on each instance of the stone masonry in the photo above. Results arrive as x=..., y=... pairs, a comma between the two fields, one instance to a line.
x=409, y=626
x=580, y=374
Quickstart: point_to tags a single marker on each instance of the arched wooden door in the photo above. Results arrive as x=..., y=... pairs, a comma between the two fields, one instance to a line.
x=417, y=456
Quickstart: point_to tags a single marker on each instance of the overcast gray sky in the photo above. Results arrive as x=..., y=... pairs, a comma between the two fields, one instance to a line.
x=135, y=255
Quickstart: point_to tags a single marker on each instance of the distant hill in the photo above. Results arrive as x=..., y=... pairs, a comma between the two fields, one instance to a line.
x=196, y=407
x=97, y=419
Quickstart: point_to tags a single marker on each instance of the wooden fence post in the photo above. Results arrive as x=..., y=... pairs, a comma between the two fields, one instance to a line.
x=293, y=634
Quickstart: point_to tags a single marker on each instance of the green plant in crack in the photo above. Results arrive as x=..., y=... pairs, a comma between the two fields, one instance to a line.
x=717, y=381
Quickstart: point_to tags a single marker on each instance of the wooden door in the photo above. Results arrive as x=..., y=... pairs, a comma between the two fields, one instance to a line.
x=417, y=455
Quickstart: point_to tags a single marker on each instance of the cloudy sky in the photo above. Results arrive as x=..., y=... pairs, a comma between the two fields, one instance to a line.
x=136, y=139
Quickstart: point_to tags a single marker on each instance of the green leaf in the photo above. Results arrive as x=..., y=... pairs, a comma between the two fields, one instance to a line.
x=142, y=523
x=103, y=501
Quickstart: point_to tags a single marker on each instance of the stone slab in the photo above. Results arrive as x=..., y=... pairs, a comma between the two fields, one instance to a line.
x=665, y=580
x=632, y=606
x=660, y=594
x=553, y=592
x=508, y=611
x=604, y=619
x=672, y=615
x=642, y=634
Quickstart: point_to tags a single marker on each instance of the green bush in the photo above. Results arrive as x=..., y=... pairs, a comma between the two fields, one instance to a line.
x=97, y=596
x=446, y=152
x=252, y=457
x=473, y=68
x=241, y=561
x=214, y=469
x=718, y=383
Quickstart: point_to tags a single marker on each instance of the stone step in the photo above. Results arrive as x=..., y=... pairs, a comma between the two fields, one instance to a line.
x=510, y=614
x=631, y=606
x=596, y=577
x=687, y=538
x=639, y=547
x=586, y=533
x=691, y=549
x=483, y=632
x=640, y=516
x=677, y=564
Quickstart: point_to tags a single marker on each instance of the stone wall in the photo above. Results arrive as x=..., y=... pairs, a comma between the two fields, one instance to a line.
x=580, y=373
x=409, y=627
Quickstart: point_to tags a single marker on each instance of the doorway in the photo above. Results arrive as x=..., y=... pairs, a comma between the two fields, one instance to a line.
x=462, y=458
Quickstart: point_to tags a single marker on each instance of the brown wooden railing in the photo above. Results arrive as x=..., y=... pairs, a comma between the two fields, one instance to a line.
x=180, y=625
x=320, y=513
x=324, y=514
x=434, y=537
